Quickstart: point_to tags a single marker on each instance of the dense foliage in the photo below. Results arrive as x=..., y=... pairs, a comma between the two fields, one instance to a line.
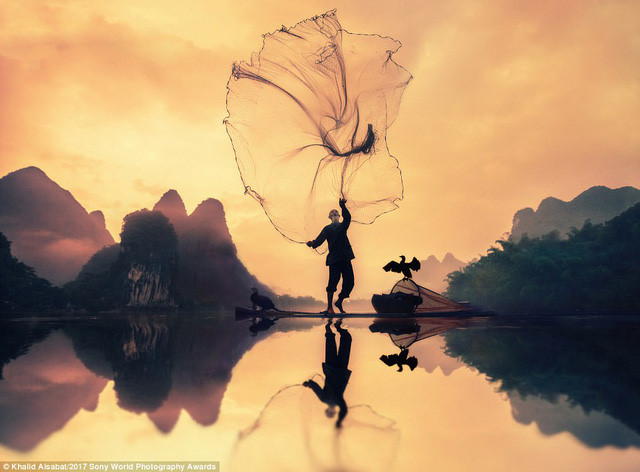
x=100, y=290
x=148, y=235
x=596, y=268
x=147, y=238
x=21, y=288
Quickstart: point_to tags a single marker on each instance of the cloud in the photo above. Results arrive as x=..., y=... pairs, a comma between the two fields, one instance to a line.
x=511, y=101
x=154, y=190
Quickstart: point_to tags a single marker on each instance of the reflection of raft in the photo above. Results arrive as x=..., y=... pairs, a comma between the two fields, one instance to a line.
x=395, y=327
x=408, y=297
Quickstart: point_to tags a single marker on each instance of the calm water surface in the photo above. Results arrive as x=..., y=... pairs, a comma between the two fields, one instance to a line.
x=488, y=394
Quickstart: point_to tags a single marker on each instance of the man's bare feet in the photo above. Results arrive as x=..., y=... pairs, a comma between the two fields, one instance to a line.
x=338, y=304
x=328, y=312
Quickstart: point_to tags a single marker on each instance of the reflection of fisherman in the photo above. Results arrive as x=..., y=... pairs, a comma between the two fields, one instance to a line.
x=336, y=373
x=339, y=256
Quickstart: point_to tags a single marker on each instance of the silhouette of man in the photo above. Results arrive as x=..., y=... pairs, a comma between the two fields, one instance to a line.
x=339, y=256
x=336, y=373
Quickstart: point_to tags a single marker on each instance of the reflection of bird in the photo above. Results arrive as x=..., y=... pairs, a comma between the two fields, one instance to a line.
x=263, y=302
x=261, y=324
x=403, y=267
x=400, y=360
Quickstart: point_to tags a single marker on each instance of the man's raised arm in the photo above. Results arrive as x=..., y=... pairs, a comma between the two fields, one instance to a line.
x=315, y=387
x=346, y=215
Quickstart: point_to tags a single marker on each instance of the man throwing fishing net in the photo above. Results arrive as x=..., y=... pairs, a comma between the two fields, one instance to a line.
x=339, y=256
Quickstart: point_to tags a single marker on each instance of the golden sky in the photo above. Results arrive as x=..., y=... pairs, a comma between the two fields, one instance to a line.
x=511, y=101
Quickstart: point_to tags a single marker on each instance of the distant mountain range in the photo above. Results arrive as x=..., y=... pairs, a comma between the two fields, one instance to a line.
x=207, y=273
x=49, y=230
x=594, y=270
x=433, y=273
x=598, y=204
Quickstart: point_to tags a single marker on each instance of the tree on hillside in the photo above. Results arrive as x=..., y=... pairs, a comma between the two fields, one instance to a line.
x=596, y=268
x=21, y=288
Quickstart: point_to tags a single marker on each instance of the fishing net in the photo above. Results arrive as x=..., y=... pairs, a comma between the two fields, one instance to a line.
x=308, y=119
x=292, y=433
x=430, y=301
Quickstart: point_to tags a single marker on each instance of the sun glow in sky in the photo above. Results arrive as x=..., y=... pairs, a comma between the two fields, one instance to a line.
x=511, y=101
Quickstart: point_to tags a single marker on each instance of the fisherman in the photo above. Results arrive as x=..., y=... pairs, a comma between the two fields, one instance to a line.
x=339, y=256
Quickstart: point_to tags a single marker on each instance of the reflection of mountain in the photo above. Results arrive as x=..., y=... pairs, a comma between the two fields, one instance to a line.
x=594, y=428
x=598, y=204
x=49, y=229
x=42, y=390
x=431, y=356
x=433, y=272
x=158, y=366
x=161, y=366
x=203, y=357
x=134, y=352
x=594, y=368
x=17, y=338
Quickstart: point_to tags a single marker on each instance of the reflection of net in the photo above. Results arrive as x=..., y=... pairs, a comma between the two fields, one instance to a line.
x=292, y=433
x=308, y=117
x=426, y=329
x=431, y=301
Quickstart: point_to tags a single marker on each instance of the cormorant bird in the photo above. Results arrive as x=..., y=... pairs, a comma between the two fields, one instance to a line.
x=263, y=302
x=403, y=267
